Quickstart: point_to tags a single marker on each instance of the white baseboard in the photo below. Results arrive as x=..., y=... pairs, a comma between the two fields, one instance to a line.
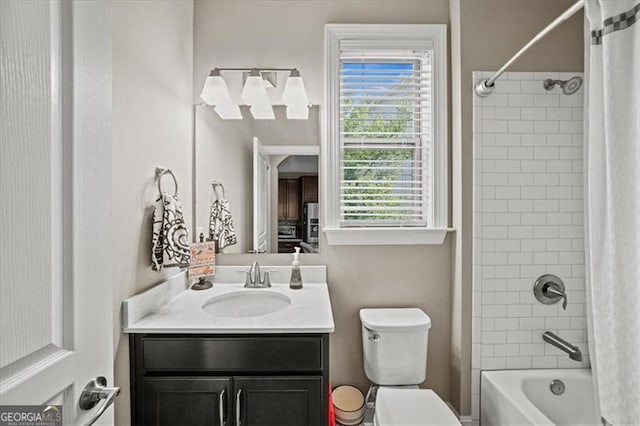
x=464, y=420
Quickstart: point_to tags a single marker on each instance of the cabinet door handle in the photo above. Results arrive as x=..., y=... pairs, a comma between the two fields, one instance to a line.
x=221, y=407
x=238, y=407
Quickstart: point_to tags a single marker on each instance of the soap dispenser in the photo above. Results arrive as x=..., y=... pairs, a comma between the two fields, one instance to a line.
x=296, y=277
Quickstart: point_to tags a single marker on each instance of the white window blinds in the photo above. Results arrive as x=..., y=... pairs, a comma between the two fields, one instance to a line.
x=386, y=137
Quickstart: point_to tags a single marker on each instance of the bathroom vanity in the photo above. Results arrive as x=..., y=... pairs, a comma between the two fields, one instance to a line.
x=215, y=357
x=216, y=379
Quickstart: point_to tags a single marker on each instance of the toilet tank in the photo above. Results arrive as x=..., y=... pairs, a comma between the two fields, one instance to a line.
x=394, y=343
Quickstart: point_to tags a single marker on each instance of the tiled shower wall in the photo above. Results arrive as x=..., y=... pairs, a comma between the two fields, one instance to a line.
x=527, y=221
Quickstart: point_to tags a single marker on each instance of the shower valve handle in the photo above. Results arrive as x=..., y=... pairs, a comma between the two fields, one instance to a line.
x=553, y=290
x=549, y=289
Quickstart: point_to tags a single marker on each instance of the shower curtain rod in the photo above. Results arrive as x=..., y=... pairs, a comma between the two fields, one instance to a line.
x=484, y=87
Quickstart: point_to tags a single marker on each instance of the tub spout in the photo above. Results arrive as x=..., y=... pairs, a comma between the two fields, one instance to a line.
x=576, y=355
x=557, y=341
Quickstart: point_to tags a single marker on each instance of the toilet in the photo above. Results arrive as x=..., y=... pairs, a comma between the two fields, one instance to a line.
x=394, y=343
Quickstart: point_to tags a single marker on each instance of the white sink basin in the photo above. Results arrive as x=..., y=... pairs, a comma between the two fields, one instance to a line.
x=246, y=303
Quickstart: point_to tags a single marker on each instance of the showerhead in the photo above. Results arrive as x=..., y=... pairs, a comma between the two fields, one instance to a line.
x=569, y=87
x=572, y=85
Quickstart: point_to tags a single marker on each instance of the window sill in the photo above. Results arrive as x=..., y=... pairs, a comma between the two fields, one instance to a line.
x=385, y=236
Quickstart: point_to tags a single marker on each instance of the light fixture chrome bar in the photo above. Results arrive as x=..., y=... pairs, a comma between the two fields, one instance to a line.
x=255, y=68
x=484, y=87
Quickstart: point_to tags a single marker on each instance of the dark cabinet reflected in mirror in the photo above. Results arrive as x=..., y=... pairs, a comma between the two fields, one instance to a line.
x=298, y=204
x=270, y=173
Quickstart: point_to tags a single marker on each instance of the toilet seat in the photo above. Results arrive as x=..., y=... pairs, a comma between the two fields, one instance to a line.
x=411, y=407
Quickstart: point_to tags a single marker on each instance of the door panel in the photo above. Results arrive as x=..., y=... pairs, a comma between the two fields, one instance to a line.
x=261, y=199
x=281, y=401
x=189, y=401
x=55, y=169
x=30, y=180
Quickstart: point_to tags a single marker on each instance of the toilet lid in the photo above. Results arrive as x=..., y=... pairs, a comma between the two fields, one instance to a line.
x=395, y=319
x=412, y=407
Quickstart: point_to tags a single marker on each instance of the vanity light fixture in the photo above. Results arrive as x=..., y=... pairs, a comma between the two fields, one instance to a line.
x=295, y=97
x=215, y=92
x=254, y=93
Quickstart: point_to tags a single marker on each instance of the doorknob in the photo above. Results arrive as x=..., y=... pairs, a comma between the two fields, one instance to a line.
x=95, y=391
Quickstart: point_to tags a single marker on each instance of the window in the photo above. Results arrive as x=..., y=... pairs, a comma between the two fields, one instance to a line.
x=385, y=134
x=385, y=137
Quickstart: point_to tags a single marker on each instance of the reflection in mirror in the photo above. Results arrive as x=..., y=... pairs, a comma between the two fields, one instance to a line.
x=269, y=169
x=297, y=203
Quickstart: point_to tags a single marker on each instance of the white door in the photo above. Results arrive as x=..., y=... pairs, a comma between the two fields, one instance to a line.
x=56, y=320
x=261, y=199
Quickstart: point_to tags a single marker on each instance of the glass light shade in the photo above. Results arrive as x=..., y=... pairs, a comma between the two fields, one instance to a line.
x=262, y=112
x=294, y=93
x=254, y=94
x=297, y=112
x=228, y=111
x=295, y=97
x=215, y=92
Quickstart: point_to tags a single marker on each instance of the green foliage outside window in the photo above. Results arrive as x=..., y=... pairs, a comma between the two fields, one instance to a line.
x=361, y=120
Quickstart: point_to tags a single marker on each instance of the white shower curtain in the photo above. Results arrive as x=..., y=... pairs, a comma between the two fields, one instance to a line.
x=612, y=157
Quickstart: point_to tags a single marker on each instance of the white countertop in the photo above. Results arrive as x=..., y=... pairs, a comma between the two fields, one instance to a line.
x=171, y=307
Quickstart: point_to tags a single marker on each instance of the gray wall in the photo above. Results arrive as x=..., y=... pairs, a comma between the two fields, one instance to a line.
x=152, y=125
x=291, y=34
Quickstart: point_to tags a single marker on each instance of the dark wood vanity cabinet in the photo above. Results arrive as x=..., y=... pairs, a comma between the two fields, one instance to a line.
x=232, y=380
x=286, y=401
x=170, y=401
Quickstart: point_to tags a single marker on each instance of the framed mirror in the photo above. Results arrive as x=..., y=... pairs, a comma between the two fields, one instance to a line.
x=264, y=174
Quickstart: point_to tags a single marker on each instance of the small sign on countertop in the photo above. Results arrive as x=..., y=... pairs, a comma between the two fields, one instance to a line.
x=203, y=259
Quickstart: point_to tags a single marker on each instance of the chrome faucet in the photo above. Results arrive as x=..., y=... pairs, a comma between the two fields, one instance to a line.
x=255, y=280
x=557, y=341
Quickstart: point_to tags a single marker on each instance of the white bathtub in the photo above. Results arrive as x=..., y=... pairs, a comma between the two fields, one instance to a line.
x=524, y=397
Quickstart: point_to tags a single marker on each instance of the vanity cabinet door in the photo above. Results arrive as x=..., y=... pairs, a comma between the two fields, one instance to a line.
x=188, y=401
x=278, y=401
